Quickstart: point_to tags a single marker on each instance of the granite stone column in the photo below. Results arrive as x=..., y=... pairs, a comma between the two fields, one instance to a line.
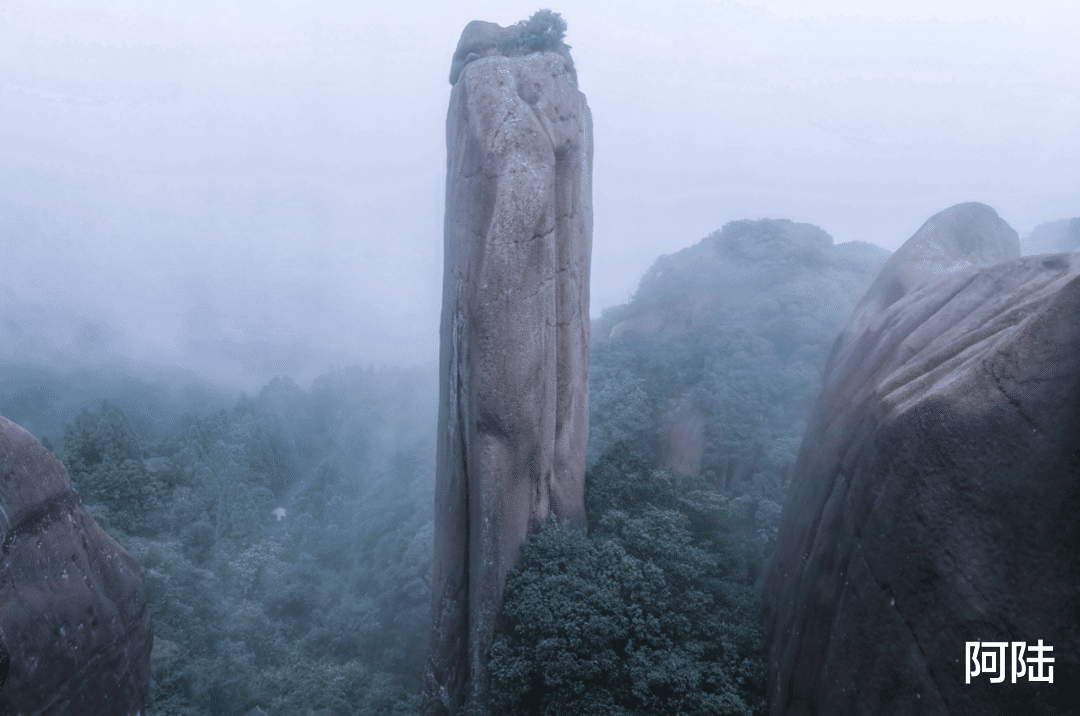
x=514, y=357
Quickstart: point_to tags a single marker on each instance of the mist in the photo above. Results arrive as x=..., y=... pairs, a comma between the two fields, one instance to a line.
x=222, y=224
x=254, y=189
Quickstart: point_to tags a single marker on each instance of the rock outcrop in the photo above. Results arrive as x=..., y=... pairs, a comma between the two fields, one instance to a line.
x=936, y=495
x=682, y=436
x=514, y=400
x=1053, y=237
x=73, y=614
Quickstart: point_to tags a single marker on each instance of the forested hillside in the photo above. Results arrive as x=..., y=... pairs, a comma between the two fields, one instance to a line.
x=44, y=399
x=320, y=604
x=712, y=367
x=285, y=538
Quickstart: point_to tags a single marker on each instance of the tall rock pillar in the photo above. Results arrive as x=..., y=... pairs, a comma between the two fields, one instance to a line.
x=514, y=357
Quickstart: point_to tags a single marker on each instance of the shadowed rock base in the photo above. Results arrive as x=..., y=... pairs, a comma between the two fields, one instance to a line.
x=73, y=615
x=514, y=401
x=937, y=493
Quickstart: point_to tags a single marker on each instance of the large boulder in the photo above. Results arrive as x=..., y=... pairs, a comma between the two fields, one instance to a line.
x=936, y=496
x=1053, y=237
x=514, y=360
x=73, y=615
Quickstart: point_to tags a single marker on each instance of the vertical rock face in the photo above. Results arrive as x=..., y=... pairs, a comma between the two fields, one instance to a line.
x=514, y=360
x=936, y=495
x=73, y=616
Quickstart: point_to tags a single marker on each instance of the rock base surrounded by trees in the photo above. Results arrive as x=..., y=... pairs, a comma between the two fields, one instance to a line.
x=515, y=341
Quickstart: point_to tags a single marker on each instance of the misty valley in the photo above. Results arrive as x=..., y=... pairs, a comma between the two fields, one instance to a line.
x=700, y=388
x=285, y=538
x=787, y=475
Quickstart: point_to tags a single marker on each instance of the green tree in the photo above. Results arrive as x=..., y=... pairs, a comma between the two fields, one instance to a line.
x=651, y=613
x=542, y=32
x=104, y=458
x=92, y=439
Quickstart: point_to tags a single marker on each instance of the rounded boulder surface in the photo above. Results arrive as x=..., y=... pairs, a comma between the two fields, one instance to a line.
x=936, y=494
x=73, y=615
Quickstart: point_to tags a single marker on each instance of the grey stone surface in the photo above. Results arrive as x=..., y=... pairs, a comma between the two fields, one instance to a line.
x=957, y=238
x=485, y=39
x=936, y=495
x=513, y=420
x=73, y=614
x=1053, y=237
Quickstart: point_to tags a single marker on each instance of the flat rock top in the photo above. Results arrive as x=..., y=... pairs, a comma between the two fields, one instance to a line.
x=543, y=32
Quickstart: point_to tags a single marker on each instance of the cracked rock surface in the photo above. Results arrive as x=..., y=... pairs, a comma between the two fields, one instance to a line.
x=73, y=616
x=514, y=360
x=937, y=492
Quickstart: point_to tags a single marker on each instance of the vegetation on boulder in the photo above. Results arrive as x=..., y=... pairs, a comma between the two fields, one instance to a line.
x=542, y=32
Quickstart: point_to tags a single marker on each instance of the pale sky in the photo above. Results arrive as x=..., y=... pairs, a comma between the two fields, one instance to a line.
x=272, y=170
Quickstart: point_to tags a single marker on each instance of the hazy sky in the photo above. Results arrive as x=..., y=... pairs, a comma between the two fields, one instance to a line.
x=273, y=170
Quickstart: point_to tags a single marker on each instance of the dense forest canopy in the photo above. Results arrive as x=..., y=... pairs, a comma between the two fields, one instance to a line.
x=285, y=537
x=726, y=340
x=320, y=604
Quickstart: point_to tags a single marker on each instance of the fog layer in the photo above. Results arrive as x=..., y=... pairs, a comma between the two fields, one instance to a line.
x=255, y=188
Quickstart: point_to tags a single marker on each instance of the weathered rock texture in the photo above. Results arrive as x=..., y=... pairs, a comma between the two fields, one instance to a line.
x=937, y=492
x=73, y=614
x=513, y=420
